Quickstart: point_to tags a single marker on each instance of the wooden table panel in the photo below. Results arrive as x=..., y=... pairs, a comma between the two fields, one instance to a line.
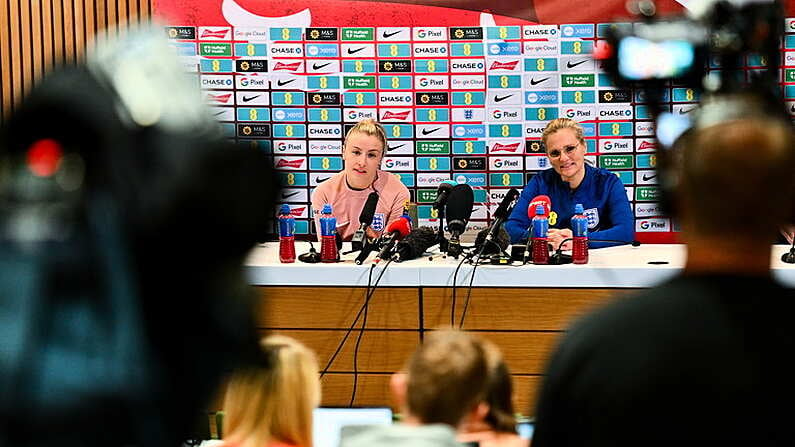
x=512, y=309
x=524, y=352
x=525, y=394
x=372, y=390
x=379, y=351
x=336, y=307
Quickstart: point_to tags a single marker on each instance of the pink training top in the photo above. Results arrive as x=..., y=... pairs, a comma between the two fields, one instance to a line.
x=347, y=203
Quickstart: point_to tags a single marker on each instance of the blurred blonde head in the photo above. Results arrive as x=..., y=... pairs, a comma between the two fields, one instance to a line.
x=274, y=403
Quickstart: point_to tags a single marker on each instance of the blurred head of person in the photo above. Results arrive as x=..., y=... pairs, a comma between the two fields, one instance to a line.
x=443, y=380
x=362, y=153
x=735, y=179
x=565, y=148
x=274, y=403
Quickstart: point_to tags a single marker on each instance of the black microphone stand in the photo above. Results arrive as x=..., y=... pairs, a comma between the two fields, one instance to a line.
x=789, y=258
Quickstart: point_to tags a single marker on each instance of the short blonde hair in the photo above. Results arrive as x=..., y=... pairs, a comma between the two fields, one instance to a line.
x=369, y=127
x=446, y=377
x=562, y=123
x=274, y=402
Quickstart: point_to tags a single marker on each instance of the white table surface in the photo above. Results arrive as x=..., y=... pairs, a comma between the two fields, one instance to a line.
x=623, y=266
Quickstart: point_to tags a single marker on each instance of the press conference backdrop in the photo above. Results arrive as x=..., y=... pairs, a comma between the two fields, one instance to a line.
x=37, y=36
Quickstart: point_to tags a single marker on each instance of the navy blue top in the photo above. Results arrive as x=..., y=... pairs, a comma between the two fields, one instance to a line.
x=602, y=195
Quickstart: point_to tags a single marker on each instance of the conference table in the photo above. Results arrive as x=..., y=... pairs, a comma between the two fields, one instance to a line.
x=522, y=308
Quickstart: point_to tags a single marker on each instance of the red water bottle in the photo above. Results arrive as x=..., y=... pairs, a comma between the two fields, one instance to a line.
x=539, y=230
x=286, y=235
x=579, y=231
x=328, y=236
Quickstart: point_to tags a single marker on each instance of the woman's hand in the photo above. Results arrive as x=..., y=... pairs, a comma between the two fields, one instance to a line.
x=788, y=231
x=556, y=236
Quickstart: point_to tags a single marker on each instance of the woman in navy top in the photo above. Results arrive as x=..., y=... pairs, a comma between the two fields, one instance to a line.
x=571, y=181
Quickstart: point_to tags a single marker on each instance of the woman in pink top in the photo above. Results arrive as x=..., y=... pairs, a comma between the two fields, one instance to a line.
x=347, y=191
x=271, y=405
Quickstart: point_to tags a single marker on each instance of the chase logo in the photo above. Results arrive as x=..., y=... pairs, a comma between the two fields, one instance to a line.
x=216, y=81
x=325, y=131
x=469, y=131
x=325, y=163
x=433, y=163
x=542, y=97
x=473, y=180
x=582, y=31
x=505, y=48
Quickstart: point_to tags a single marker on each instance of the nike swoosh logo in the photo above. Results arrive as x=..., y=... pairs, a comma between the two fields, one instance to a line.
x=570, y=65
x=352, y=51
x=683, y=111
x=321, y=180
x=387, y=35
x=646, y=178
x=537, y=81
x=250, y=98
x=392, y=148
x=318, y=67
x=501, y=98
x=219, y=113
x=287, y=196
x=281, y=84
x=428, y=132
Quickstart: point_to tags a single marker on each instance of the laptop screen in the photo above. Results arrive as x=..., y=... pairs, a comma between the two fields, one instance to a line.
x=328, y=422
x=525, y=430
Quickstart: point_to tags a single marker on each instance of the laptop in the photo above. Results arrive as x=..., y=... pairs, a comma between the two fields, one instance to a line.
x=525, y=430
x=328, y=422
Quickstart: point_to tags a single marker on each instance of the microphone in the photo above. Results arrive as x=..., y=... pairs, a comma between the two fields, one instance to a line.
x=789, y=258
x=365, y=219
x=416, y=243
x=459, y=209
x=500, y=215
x=396, y=231
x=443, y=193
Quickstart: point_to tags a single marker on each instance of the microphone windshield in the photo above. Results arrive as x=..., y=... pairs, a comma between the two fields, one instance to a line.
x=366, y=216
x=402, y=226
x=459, y=207
x=539, y=200
x=502, y=211
x=497, y=245
x=416, y=243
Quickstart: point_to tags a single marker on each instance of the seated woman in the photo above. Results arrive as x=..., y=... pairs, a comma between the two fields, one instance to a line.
x=493, y=423
x=347, y=191
x=271, y=406
x=569, y=182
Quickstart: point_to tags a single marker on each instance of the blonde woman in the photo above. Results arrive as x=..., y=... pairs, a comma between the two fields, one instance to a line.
x=569, y=181
x=272, y=406
x=347, y=191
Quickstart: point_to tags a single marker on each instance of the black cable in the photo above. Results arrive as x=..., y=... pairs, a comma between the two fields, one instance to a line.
x=472, y=279
x=348, y=333
x=370, y=294
x=359, y=337
x=455, y=280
